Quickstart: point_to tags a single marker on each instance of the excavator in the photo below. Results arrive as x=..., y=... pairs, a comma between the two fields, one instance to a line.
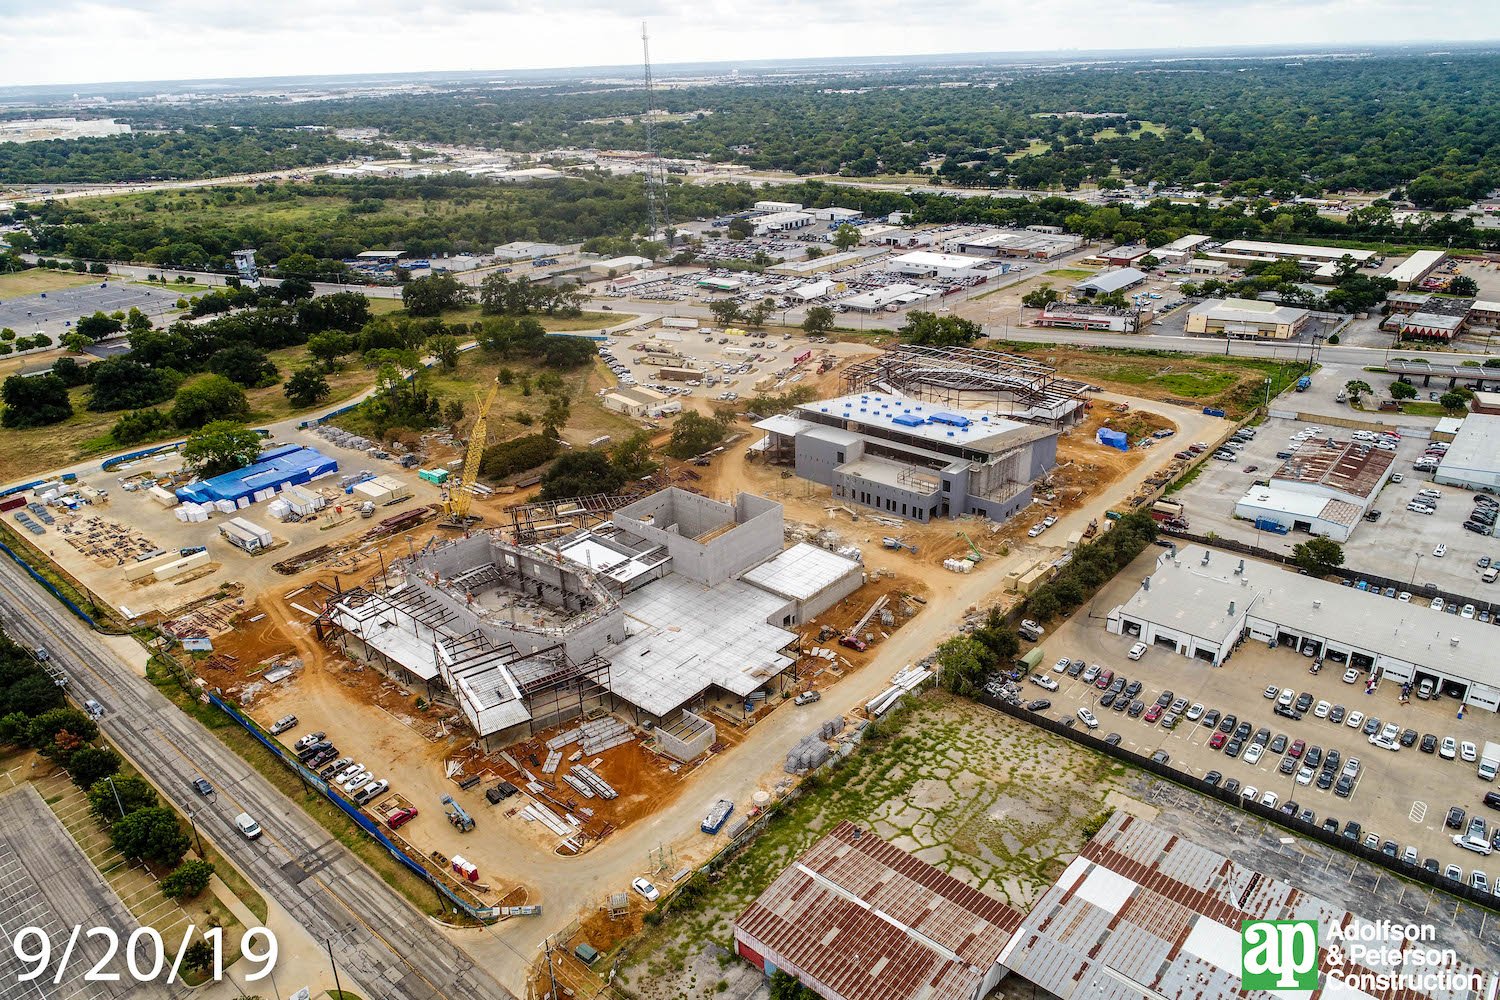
x=460, y=495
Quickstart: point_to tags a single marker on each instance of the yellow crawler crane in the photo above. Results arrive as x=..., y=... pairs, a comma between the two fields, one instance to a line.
x=456, y=514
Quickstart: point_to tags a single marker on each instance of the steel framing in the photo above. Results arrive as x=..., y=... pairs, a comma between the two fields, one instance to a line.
x=946, y=374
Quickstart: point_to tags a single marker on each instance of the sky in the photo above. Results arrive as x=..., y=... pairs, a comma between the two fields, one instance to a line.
x=89, y=41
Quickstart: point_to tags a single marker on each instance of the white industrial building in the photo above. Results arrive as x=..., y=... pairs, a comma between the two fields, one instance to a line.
x=639, y=401
x=835, y=214
x=928, y=264
x=1108, y=282
x=1202, y=602
x=1246, y=319
x=780, y=222
x=1473, y=458
x=1025, y=243
x=1413, y=269
x=890, y=297
x=527, y=250
x=1325, y=488
x=778, y=206
x=1321, y=262
x=1178, y=250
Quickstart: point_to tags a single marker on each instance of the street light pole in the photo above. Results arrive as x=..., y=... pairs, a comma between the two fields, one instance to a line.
x=1414, y=569
x=192, y=820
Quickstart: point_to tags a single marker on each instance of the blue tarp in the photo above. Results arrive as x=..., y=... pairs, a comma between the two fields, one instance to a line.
x=287, y=465
x=1113, y=439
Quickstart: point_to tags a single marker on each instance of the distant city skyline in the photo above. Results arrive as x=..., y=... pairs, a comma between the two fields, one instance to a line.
x=82, y=42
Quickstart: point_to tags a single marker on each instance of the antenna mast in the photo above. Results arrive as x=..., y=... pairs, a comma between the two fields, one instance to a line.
x=658, y=215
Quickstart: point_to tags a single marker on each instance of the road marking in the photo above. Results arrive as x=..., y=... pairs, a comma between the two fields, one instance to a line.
x=1418, y=811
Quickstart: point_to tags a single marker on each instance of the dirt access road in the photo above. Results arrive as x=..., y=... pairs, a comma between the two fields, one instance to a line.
x=573, y=885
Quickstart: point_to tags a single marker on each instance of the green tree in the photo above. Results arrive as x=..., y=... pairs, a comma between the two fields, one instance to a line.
x=1357, y=389
x=244, y=365
x=1403, y=390
x=220, y=446
x=1463, y=285
x=433, y=295
x=1319, y=556
x=846, y=237
x=306, y=387
x=632, y=456
x=939, y=331
x=111, y=798
x=188, y=880
x=122, y=383
x=818, y=322
x=517, y=455
x=211, y=398
x=962, y=665
x=445, y=350
x=1453, y=402
x=151, y=834
x=555, y=413
x=92, y=764
x=693, y=434
x=140, y=425
x=329, y=346
x=1040, y=298
x=98, y=326
x=726, y=312
x=580, y=473
x=60, y=731
x=785, y=986
x=759, y=313
x=34, y=401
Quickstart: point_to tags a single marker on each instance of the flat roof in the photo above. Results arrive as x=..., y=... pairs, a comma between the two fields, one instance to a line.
x=1194, y=596
x=932, y=258
x=1476, y=446
x=1349, y=466
x=595, y=554
x=1015, y=240
x=686, y=638
x=1301, y=504
x=1247, y=311
x=1184, y=244
x=785, y=424
x=868, y=921
x=1435, y=321
x=929, y=421
x=1415, y=267
x=802, y=571
x=892, y=474
x=1111, y=281
x=1297, y=250
x=1129, y=253
x=383, y=625
x=1144, y=912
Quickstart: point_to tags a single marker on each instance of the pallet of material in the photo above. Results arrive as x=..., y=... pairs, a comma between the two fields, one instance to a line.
x=605, y=734
x=553, y=759
x=579, y=785
x=563, y=739
x=599, y=784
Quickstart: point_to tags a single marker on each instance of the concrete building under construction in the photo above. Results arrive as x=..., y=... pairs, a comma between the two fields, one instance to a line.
x=650, y=613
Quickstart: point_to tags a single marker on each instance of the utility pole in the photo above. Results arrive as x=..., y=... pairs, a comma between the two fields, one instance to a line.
x=658, y=215
x=336, y=984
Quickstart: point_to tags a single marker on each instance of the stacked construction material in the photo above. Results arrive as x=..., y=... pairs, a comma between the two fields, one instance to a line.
x=604, y=734
x=597, y=783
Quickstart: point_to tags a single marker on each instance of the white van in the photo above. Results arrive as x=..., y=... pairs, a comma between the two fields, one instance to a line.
x=1490, y=575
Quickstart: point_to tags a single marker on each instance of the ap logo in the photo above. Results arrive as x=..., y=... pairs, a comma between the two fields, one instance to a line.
x=1279, y=955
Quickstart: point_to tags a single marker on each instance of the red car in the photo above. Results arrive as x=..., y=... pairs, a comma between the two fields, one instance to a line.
x=1153, y=713
x=1105, y=679
x=853, y=642
x=1217, y=741
x=401, y=817
x=1295, y=750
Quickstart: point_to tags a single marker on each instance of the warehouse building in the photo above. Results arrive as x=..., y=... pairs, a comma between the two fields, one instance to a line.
x=913, y=459
x=816, y=265
x=638, y=401
x=1473, y=459
x=778, y=206
x=890, y=296
x=1109, y=282
x=1178, y=250
x=1211, y=268
x=1015, y=243
x=1143, y=913
x=276, y=468
x=856, y=918
x=780, y=222
x=835, y=214
x=1320, y=261
x=1325, y=488
x=1202, y=602
x=927, y=264
x=1246, y=319
x=1440, y=327
x=1413, y=269
x=527, y=250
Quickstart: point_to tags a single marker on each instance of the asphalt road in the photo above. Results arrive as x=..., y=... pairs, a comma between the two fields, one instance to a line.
x=384, y=947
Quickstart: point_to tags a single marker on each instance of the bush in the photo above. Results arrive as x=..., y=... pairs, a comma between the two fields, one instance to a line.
x=188, y=880
x=140, y=425
x=518, y=455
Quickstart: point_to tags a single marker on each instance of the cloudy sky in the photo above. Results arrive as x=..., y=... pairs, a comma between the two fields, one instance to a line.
x=84, y=41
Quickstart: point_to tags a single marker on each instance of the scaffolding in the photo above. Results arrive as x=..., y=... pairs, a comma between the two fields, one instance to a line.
x=975, y=379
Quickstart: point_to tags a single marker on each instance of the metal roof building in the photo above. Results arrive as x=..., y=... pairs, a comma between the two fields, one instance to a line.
x=1246, y=318
x=1111, y=281
x=1416, y=267
x=855, y=918
x=1473, y=459
x=278, y=467
x=1144, y=913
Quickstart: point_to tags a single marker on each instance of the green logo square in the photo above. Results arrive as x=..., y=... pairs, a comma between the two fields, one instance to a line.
x=1279, y=955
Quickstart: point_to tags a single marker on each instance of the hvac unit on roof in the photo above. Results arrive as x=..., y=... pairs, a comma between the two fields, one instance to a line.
x=1205, y=558
x=1240, y=569
x=1317, y=604
x=1453, y=641
x=1231, y=609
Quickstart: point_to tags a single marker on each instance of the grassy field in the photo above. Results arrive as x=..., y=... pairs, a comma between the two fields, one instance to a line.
x=1072, y=273
x=988, y=799
x=1033, y=148
x=41, y=280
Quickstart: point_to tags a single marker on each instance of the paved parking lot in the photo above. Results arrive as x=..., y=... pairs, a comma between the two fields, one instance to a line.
x=1400, y=545
x=54, y=312
x=1401, y=796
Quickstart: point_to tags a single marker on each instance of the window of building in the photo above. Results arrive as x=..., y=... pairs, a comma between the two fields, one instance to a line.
x=840, y=457
x=947, y=486
x=903, y=510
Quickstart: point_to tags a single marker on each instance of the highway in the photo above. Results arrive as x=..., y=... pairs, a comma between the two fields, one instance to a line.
x=384, y=947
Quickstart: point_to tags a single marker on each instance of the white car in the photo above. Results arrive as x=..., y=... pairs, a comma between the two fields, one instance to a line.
x=1087, y=718
x=1437, y=604
x=1351, y=675
x=1355, y=720
x=1468, y=751
x=1060, y=666
x=1253, y=752
x=1270, y=799
x=1448, y=749
x=1137, y=651
x=248, y=828
x=1440, y=550
x=1404, y=597
x=1286, y=698
x=1306, y=775
x=1036, y=529
x=646, y=889
x=1250, y=792
x=1195, y=712
x=1467, y=611
x=1322, y=710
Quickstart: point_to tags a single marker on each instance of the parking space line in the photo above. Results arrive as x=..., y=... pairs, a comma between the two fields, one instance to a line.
x=1418, y=811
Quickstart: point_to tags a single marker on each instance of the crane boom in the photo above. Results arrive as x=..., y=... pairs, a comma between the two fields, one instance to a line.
x=460, y=495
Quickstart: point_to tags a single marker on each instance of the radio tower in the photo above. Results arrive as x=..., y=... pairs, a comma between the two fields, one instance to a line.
x=658, y=215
